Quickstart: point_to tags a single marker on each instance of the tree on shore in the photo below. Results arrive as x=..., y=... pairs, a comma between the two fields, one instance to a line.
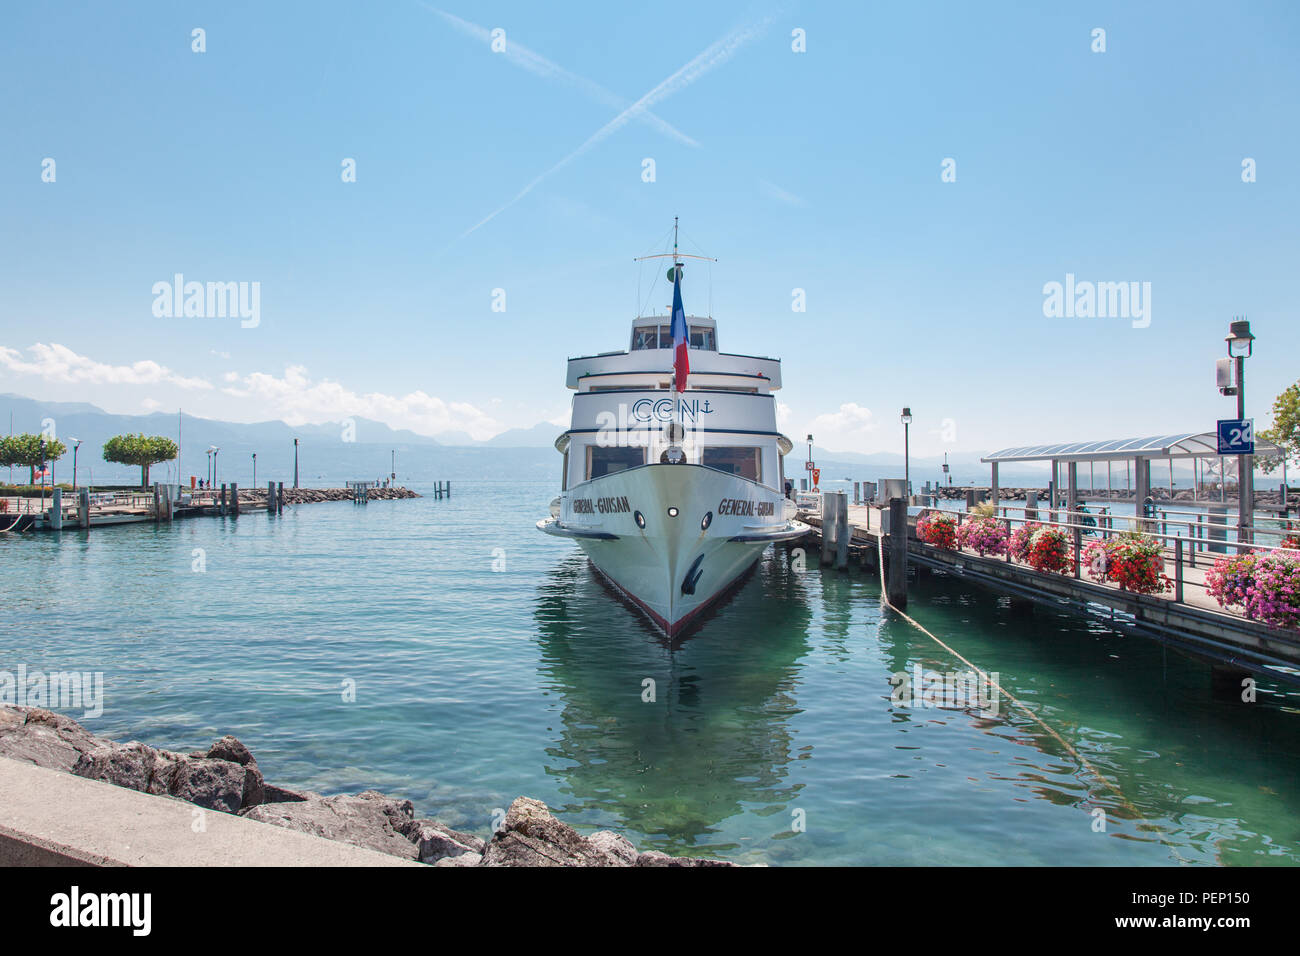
x=1285, y=432
x=142, y=450
x=29, y=450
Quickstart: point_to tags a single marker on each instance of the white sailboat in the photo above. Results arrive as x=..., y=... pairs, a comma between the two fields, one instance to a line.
x=673, y=478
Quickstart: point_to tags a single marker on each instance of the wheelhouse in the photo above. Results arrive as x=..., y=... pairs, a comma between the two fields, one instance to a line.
x=625, y=404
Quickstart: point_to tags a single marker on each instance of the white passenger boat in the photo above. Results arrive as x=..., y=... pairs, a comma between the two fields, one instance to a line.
x=674, y=472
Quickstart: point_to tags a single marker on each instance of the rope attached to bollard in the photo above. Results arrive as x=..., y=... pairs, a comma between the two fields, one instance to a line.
x=990, y=682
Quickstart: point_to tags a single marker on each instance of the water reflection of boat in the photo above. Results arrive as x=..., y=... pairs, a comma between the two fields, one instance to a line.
x=715, y=740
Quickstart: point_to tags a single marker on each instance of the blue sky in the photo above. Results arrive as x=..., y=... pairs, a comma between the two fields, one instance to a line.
x=818, y=170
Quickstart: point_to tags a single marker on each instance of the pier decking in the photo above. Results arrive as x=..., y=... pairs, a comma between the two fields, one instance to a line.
x=88, y=510
x=1187, y=618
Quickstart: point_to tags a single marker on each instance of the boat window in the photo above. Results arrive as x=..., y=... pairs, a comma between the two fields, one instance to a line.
x=665, y=336
x=737, y=461
x=702, y=338
x=645, y=338
x=606, y=461
x=564, y=472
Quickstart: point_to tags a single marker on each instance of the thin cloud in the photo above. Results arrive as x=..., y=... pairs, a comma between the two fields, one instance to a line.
x=717, y=53
x=843, y=429
x=518, y=54
x=297, y=398
x=58, y=363
x=773, y=191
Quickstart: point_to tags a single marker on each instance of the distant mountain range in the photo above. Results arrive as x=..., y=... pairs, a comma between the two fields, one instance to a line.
x=334, y=452
x=329, y=453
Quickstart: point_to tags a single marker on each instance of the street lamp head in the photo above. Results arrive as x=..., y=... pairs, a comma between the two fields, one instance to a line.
x=906, y=417
x=1240, y=341
x=810, y=437
x=75, y=441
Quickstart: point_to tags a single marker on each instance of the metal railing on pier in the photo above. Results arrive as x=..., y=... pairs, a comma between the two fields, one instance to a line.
x=1180, y=551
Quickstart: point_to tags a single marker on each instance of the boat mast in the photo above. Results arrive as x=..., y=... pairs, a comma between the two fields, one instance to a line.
x=677, y=277
x=677, y=258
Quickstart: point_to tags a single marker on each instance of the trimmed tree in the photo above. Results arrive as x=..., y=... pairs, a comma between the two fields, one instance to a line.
x=31, y=451
x=1285, y=432
x=142, y=450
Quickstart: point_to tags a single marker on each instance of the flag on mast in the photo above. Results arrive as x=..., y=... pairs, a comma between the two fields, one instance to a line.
x=681, y=361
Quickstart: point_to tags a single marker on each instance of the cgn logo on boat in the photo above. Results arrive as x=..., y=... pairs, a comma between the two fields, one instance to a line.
x=604, y=505
x=647, y=409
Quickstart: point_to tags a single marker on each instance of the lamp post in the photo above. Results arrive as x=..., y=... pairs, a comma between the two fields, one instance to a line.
x=946, y=473
x=1240, y=346
x=212, y=450
x=393, y=475
x=295, y=463
x=808, y=480
x=254, y=469
x=906, y=419
x=76, y=443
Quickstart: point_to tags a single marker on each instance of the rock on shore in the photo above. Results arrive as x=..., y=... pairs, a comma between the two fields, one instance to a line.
x=226, y=778
x=299, y=496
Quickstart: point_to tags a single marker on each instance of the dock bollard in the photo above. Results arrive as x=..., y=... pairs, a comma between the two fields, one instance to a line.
x=83, y=508
x=842, y=530
x=270, y=498
x=828, y=523
x=56, y=510
x=222, y=508
x=157, y=503
x=234, y=500
x=896, y=575
x=279, y=497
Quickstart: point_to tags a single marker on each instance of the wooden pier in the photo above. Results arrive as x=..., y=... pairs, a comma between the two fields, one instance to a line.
x=1188, y=619
x=87, y=509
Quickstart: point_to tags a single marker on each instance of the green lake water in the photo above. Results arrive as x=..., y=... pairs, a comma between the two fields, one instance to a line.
x=772, y=736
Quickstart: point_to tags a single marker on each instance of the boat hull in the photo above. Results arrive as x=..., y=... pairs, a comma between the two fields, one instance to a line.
x=672, y=566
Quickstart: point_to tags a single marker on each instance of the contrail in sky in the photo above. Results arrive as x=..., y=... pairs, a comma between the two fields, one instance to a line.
x=539, y=65
x=715, y=54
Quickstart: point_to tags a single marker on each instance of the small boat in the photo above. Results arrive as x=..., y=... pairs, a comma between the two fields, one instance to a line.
x=673, y=475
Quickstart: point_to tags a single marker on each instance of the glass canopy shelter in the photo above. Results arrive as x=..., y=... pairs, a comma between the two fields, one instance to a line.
x=1199, y=447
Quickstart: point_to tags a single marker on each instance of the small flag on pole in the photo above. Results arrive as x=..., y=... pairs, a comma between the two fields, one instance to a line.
x=681, y=361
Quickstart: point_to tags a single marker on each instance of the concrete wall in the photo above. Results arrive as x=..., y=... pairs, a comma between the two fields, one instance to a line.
x=50, y=818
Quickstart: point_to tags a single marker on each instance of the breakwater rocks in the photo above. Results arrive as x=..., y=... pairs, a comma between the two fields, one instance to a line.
x=226, y=778
x=299, y=496
x=293, y=496
x=1263, y=496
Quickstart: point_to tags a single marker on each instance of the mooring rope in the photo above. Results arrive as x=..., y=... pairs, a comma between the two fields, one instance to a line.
x=14, y=525
x=990, y=682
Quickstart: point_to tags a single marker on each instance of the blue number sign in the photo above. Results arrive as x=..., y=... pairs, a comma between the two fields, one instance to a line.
x=1237, y=436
